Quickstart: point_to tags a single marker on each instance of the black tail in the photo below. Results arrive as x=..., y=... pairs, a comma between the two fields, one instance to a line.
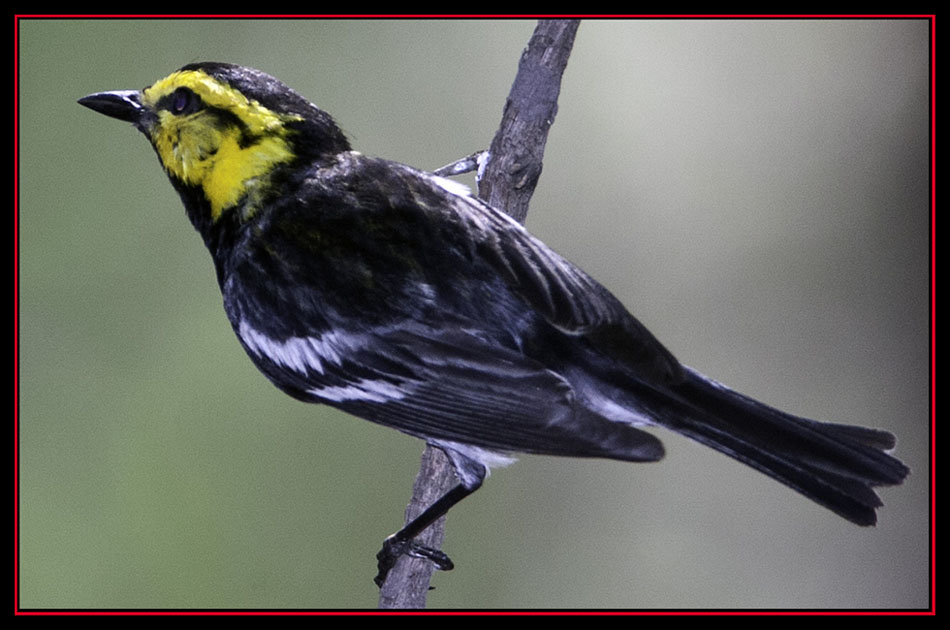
x=835, y=465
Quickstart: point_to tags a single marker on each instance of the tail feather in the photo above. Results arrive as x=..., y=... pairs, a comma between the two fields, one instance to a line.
x=835, y=465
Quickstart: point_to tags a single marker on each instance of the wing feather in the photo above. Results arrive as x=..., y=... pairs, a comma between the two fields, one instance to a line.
x=450, y=385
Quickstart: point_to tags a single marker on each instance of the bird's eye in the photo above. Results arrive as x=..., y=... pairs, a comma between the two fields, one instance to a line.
x=183, y=101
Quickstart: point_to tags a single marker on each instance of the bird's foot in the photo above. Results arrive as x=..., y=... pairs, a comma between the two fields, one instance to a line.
x=394, y=546
x=474, y=162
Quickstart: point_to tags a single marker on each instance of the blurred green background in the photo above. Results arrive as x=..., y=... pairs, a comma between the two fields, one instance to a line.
x=756, y=192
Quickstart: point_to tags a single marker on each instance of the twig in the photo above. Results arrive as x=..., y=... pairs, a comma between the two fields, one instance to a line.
x=508, y=182
x=515, y=163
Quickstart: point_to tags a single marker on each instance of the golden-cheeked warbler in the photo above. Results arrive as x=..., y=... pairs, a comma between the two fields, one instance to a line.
x=394, y=295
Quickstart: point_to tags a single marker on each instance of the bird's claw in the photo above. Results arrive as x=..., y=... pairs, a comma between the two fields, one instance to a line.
x=393, y=547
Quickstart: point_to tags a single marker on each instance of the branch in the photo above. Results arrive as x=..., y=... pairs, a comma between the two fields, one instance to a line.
x=515, y=165
x=508, y=182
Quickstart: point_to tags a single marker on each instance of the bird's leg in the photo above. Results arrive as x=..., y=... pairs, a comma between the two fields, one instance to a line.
x=467, y=164
x=401, y=542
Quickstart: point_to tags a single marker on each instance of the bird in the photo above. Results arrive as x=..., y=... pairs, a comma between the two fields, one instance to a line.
x=395, y=295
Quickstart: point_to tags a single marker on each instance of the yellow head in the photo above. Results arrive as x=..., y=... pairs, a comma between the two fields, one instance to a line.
x=222, y=131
